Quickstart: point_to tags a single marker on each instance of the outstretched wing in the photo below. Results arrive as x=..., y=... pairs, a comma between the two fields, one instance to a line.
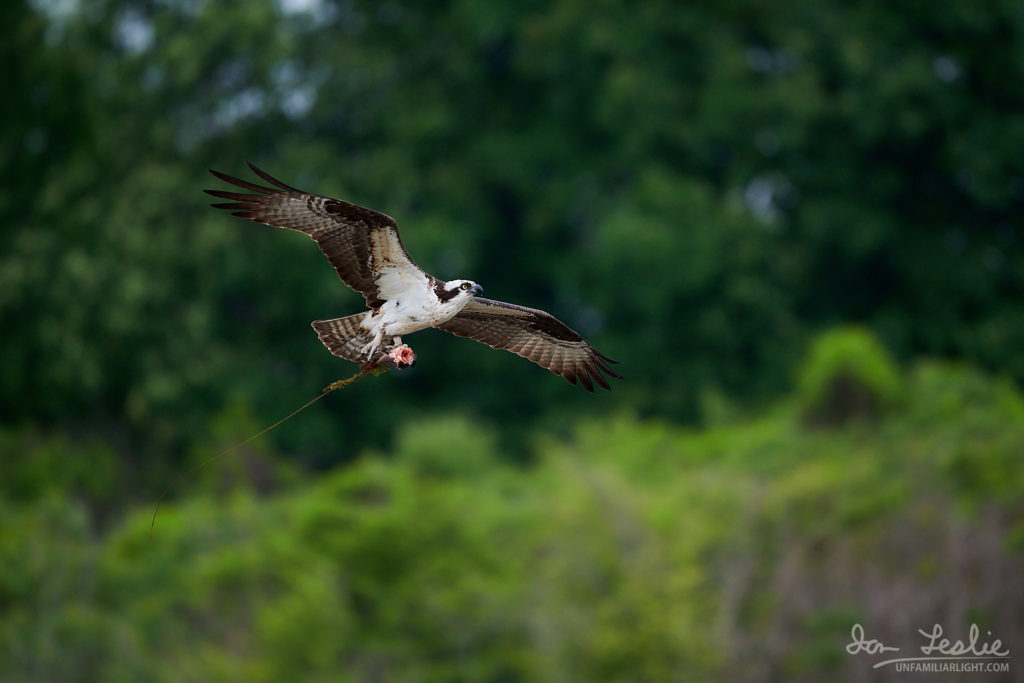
x=362, y=245
x=535, y=335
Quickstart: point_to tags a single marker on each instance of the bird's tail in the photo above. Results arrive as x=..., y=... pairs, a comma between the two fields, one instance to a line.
x=344, y=337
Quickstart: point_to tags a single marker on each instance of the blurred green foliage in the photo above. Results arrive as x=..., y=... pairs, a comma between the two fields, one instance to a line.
x=715, y=182
x=847, y=375
x=725, y=196
x=628, y=549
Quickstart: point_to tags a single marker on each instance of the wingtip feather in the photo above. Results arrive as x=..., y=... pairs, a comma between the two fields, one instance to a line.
x=253, y=187
x=585, y=379
x=269, y=178
x=221, y=176
x=608, y=371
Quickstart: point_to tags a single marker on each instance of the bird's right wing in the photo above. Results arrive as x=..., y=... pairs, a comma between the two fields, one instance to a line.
x=535, y=335
x=362, y=245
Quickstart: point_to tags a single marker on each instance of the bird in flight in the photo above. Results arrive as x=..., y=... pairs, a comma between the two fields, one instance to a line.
x=364, y=248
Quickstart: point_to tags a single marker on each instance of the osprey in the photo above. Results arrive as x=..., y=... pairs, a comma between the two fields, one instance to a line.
x=364, y=248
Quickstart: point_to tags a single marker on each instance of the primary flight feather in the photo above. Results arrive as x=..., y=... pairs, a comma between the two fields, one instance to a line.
x=366, y=251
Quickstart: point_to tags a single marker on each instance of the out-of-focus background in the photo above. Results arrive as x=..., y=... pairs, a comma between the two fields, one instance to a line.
x=797, y=224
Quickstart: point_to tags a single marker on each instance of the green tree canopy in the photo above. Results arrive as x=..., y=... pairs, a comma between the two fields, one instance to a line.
x=695, y=188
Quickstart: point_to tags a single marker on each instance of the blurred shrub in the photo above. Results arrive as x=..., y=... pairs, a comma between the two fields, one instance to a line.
x=847, y=375
x=632, y=549
x=33, y=465
x=970, y=411
x=447, y=446
x=962, y=396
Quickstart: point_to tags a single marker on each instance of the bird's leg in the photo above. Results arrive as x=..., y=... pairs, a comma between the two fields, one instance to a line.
x=370, y=348
x=396, y=341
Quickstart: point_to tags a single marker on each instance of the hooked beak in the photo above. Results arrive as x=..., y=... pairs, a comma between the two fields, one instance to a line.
x=476, y=289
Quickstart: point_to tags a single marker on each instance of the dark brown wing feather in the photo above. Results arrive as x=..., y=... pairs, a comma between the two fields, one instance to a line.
x=357, y=241
x=535, y=335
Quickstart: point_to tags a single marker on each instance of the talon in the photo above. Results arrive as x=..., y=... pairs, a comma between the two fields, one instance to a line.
x=370, y=349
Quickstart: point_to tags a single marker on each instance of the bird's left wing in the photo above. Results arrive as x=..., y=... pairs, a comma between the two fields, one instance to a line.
x=362, y=244
x=535, y=335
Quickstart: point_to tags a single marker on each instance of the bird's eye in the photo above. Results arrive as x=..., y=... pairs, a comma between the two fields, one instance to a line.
x=464, y=286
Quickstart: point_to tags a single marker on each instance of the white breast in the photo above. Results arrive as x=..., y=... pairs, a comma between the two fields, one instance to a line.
x=411, y=303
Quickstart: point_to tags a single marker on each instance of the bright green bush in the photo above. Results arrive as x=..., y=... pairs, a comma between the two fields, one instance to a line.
x=847, y=375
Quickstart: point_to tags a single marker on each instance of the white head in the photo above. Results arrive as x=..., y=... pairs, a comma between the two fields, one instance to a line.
x=457, y=291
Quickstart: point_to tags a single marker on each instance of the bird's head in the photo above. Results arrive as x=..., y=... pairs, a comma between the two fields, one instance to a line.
x=462, y=289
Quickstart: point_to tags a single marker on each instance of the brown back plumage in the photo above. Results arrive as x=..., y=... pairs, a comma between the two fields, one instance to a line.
x=535, y=335
x=357, y=241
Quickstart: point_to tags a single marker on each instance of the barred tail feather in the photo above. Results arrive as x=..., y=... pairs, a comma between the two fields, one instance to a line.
x=344, y=337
